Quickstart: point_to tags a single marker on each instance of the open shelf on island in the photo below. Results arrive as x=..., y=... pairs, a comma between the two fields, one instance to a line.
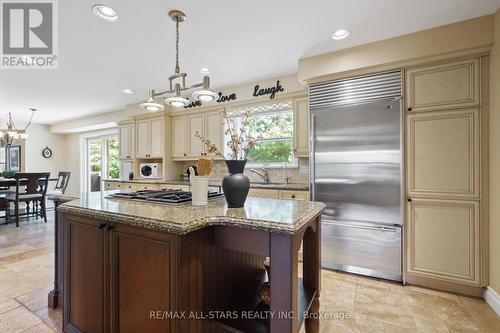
x=305, y=297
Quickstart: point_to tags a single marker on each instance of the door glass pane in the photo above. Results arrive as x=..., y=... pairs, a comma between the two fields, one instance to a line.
x=95, y=163
x=113, y=163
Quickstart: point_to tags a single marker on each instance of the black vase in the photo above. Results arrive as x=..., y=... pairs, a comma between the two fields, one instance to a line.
x=235, y=185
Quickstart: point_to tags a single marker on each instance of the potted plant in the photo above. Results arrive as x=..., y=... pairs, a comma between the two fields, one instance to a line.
x=236, y=185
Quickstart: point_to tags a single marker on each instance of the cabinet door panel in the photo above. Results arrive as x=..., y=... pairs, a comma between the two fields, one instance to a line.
x=445, y=86
x=141, y=282
x=443, y=154
x=126, y=141
x=156, y=138
x=142, y=138
x=443, y=238
x=179, y=135
x=195, y=123
x=301, y=127
x=214, y=129
x=83, y=277
x=293, y=195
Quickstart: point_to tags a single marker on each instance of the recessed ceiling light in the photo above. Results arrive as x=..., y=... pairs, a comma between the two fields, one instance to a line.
x=106, y=12
x=127, y=91
x=340, y=34
x=204, y=70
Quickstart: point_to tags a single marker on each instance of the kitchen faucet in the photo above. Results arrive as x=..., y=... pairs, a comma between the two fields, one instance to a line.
x=264, y=175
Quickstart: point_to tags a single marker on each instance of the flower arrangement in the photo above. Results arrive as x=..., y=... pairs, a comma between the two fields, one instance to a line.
x=240, y=143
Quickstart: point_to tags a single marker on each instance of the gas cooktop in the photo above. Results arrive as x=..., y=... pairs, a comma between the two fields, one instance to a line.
x=169, y=196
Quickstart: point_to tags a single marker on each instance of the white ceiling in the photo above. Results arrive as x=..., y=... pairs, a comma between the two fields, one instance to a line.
x=240, y=41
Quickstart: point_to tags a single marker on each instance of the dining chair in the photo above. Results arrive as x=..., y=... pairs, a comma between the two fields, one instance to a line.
x=62, y=182
x=30, y=187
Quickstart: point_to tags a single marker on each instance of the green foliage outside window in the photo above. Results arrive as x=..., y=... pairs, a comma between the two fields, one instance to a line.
x=95, y=155
x=113, y=158
x=275, y=145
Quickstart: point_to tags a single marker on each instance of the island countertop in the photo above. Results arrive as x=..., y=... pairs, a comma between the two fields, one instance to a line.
x=270, y=215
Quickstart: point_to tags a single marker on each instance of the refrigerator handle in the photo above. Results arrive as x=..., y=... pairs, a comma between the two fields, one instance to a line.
x=312, y=176
x=366, y=227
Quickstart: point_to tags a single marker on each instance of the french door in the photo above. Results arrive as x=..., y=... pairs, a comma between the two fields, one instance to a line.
x=102, y=160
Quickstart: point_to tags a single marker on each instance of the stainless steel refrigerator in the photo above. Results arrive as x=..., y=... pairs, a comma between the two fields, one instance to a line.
x=356, y=170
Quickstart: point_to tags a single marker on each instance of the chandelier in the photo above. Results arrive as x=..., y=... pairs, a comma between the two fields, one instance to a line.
x=12, y=135
x=203, y=93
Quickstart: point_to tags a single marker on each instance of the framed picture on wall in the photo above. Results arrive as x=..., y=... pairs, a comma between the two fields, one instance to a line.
x=14, y=158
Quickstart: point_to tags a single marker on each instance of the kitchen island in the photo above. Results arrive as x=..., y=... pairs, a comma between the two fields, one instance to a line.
x=142, y=267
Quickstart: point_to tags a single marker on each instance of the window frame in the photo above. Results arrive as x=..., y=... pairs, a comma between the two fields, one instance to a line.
x=241, y=108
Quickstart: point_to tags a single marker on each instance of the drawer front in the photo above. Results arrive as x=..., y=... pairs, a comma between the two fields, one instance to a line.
x=112, y=186
x=294, y=195
x=260, y=193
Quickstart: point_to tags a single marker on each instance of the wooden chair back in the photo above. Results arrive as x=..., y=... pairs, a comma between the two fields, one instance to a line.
x=34, y=182
x=62, y=181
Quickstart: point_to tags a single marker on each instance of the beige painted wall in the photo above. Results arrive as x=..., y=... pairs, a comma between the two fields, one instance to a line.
x=494, y=132
x=463, y=37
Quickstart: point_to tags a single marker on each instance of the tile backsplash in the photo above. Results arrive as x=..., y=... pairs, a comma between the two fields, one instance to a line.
x=298, y=174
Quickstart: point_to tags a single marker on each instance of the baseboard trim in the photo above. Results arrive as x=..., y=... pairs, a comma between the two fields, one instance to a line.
x=493, y=299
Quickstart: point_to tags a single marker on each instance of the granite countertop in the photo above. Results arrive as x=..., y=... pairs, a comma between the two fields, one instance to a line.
x=271, y=186
x=270, y=215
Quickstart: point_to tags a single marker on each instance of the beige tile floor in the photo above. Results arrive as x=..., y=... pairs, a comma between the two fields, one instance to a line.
x=353, y=303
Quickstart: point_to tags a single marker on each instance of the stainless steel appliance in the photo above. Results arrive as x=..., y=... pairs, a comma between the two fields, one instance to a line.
x=167, y=196
x=356, y=170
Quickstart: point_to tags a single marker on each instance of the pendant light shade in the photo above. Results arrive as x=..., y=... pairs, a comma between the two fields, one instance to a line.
x=205, y=94
x=151, y=104
x=177, y=100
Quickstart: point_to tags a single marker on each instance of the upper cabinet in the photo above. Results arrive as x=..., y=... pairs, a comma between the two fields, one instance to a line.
x=149, y=138
x=179, y=142
x=453, y=85
x=185, y=144
x=126, y=133
x=301, y=127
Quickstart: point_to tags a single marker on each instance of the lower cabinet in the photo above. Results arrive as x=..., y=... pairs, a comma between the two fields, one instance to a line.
x=443, y=240
x=116, y=277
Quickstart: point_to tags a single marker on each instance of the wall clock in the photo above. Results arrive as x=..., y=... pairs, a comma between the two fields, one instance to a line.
x=47, y=152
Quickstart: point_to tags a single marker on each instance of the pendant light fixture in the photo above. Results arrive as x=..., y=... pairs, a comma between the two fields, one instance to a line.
x=11, y=134
x=178, y=80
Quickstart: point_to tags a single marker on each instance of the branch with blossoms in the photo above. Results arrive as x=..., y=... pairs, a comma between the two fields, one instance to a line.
x=239, y=143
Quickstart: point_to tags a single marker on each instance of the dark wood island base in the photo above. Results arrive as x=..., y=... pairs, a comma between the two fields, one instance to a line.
x=122, y=277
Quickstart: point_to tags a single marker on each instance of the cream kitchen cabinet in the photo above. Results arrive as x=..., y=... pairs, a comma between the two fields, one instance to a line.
x=185, y=144
x=452, y=85
x=149, y=138
x=279, y=194
x=112, y=185
x=294, y=195
x=179, y=137
x=195, y=124
x=443, y=154
x=301, y=127
x=126, y=133
x=263, y=193
x=443, y=240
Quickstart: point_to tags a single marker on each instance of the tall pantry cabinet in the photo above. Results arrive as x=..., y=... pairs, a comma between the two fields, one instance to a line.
x=445, y=106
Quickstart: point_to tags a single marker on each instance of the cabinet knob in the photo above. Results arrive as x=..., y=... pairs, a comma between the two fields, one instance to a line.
x=102, y=225
x=184, y=154
x=293, y=196
x=409, y=109
x=409, y=199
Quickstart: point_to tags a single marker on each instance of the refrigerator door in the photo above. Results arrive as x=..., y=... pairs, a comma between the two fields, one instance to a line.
x=357, y=162
x=373, y=250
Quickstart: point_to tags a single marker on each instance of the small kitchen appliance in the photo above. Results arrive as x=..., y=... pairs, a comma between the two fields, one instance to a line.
x=150, y=170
